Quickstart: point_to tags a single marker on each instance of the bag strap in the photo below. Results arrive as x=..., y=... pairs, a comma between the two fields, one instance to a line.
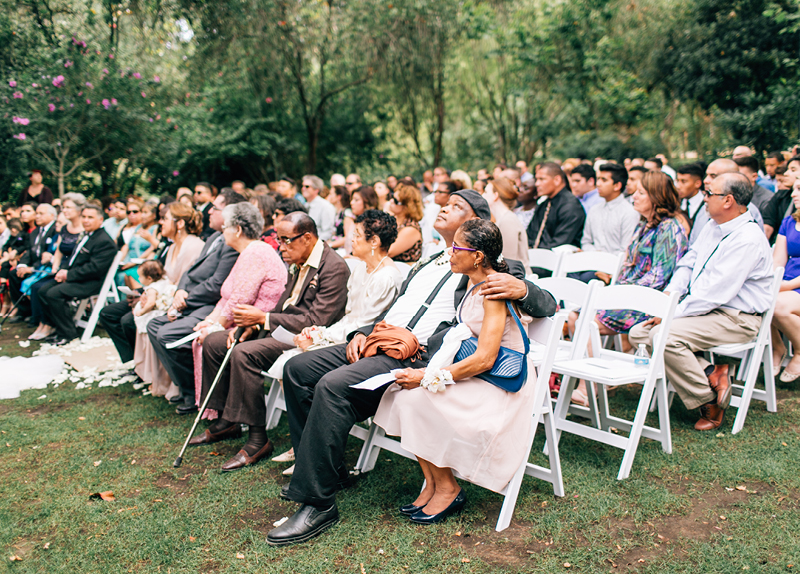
x=525, y=340
x=424, y=307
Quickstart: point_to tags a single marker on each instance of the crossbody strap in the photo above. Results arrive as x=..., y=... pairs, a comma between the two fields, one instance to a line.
x=424, y=307
x=525, y=340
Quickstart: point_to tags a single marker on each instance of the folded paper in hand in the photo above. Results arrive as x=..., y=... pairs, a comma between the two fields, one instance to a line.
x=377, y=381
x=188, y=339
x=283, y=335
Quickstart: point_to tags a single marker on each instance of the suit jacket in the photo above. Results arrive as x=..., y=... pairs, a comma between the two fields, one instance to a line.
x=564, y=223
x=203, y=281
x=322, y=298
x=208, y=231
x=37, y=245
x=537, y=303
x=91, y=263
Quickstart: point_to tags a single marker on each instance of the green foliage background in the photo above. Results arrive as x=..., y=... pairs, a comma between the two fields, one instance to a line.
x=253, y=89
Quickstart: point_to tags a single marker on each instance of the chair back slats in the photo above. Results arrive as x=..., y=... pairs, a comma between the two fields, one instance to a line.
x=545, y=259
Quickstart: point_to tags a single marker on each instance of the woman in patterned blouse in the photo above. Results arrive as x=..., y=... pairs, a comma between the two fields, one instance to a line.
x=406, y=206
x=658, y=242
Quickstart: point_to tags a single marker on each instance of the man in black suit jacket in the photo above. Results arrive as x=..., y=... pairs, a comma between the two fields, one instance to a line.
x=40, y=242
x=197, y=294
x=203, y=202
x=321, y=403
x=81, y=277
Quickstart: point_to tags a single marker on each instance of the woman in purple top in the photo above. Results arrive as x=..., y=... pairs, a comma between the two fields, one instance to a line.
x=786, y=320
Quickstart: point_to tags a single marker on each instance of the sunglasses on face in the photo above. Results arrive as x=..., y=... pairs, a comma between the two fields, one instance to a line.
x=287, y=241
x=133, y=211
x=397, y=201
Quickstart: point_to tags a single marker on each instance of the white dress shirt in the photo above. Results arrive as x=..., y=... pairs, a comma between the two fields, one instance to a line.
x=419, y=288
x=730, y=266
x=609, y=226
x=323, y=213
x=590, y=200
x=693, y=205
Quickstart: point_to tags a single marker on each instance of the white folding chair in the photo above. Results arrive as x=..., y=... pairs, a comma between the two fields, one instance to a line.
x=753, y=354
x=545, y=332
x=612, y=368
x=594, y=262
x=545, y=259
x=107, y=291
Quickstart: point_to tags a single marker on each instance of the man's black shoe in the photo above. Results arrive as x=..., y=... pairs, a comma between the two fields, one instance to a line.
x=176, y=399
x=186, y=409
x=306, y=524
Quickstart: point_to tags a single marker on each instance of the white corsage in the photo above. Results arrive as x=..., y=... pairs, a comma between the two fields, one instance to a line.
x=435, y=380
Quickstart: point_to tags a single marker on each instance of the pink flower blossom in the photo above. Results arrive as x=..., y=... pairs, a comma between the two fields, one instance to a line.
x=106, y=103
x=156, y=79
x=151, y=119
x=111, y=56
x=51, y=107
x=175, y=173
x=80, y=93
x=137, y=75
x=88, y=101
x=23, y=121
x=105, y=70
x=35, y=85
x=12, y=83
x=269, y=100
x=89, y=85
x=113, y=101
x=19, y=136
x=144, y=95
x=68, y=63
x=17, y=95
x=58, y=81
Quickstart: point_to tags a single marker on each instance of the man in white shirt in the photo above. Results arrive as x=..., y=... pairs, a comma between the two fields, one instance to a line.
x=610, y=224
x=713, y=171
x=725, y=284
x=689, y=184
x=665, y=167
x=321, y=211
x=583, y=183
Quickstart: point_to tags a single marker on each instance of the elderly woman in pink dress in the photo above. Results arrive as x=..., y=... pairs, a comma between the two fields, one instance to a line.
x=258, y=278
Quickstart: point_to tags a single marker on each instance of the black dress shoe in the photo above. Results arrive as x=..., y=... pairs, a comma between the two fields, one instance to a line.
x=306, y=524
x=55, y=340
x=186, y=409
x=285, y=492
x=457, y=505
x=410, y=509
x=176, y=399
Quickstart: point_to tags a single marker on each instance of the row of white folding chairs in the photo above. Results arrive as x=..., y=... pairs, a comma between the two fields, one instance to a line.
x=108, y=292
x=612, y=368
x=561, y=262
x=544, y=333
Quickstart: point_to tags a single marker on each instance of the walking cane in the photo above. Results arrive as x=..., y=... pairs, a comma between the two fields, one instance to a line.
x=236, y=337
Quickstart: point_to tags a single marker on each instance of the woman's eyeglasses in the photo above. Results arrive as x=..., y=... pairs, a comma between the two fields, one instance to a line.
x=460, y=249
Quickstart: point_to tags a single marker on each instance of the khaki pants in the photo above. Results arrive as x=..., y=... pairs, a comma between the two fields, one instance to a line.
x=690, y=335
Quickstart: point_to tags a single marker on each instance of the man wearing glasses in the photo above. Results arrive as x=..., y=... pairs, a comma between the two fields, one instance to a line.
x=315, y=294
x=725, y=282
x=713, y=171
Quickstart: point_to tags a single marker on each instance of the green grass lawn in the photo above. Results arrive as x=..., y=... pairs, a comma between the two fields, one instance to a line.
x=719, y=503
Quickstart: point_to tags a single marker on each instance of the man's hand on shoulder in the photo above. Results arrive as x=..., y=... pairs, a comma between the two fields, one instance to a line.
x=504, y=286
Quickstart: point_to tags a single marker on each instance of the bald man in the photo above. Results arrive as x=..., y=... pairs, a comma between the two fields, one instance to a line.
x=725, y=282
x=741, y=152
x=714, y=170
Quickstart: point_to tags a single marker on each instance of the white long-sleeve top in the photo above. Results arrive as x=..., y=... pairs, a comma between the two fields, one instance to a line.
x=729, y=266
x=609, y=226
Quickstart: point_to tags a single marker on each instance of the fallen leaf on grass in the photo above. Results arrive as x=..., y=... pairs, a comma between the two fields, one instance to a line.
x=729, y=489
x=214, y=453
x=641, y=560
x=81, y=419
x=363, y=572
x=46, y=545
x=192, y=538
x=465, y=560
x=96, y=463
x=784, y=444
x=567, y=565
x=458, y=533
x=741, y=488
x=104, y=495
x=240, y=555
x=15, y=558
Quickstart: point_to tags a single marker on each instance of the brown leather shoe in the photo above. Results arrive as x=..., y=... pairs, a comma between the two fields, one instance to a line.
x=711, y=415
x=241, y=459
x=207, y=436
x=721, y=383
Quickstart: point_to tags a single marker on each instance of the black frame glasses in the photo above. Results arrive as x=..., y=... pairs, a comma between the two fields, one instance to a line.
x=287, y=241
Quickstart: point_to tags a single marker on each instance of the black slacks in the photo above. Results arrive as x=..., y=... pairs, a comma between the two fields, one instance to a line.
x=55, y=300
x=239, y=394
x=178, y=361
x=117, y=320
x=322, y=407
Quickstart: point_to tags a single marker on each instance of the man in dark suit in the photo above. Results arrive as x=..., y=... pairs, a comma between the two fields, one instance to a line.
x=559, y=219
x=315, y=294
x=38, y=254
x=211, y=265
x=197, y=294
x=81, y=277
x=203, y=197
x=321, y=402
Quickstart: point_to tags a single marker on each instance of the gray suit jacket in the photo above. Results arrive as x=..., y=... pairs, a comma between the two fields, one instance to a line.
x=204, y=279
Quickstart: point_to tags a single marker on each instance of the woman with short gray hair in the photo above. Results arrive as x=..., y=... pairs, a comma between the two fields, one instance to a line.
x=244, y=216
x=257, y=279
